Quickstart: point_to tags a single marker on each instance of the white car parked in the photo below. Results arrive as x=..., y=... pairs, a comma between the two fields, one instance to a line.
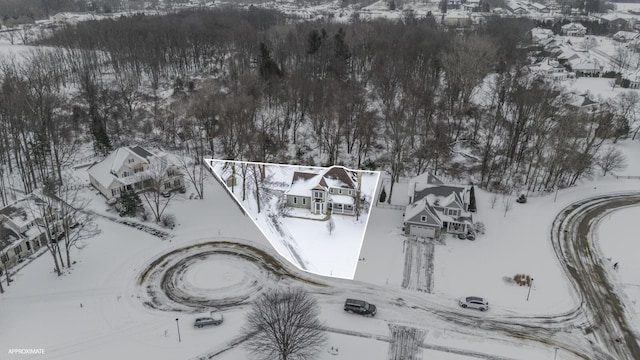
x=474, y=302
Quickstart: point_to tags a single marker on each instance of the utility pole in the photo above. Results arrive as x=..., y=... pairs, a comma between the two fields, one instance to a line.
x=178, y=326
x=529, y=293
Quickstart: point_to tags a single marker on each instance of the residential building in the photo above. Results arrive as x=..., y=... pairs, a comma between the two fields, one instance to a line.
x=574, y=29
x=133, y=168
x=436, y=208
x=332, y=191
x=23, y=228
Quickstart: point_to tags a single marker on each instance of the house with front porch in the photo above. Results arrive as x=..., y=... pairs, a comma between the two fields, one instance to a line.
x=436, y=208
x=332, y=191
x=23, y=228
x=130, y=168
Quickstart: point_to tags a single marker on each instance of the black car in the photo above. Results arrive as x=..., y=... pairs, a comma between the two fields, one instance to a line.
x=359, y=307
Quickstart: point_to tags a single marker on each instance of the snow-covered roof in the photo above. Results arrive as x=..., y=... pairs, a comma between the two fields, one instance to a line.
x=419, y=207
x=21, y=212
x=302, y=183
x=342, y=199
x=573, y=26
x=104, y=171
x=8, y=237
x=335, y=177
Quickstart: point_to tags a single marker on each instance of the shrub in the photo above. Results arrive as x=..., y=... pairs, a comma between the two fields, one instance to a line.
x=168, y=220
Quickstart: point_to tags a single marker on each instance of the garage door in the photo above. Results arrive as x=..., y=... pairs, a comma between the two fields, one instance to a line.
x=423, y=231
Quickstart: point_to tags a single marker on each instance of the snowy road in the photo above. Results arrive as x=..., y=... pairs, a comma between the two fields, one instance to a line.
x=172, y=282
x=573, y=238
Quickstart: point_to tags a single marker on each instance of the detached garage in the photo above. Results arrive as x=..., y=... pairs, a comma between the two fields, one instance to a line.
x=421, y=220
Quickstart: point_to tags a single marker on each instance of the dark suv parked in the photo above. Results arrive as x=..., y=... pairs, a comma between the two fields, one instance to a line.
x=359, y=307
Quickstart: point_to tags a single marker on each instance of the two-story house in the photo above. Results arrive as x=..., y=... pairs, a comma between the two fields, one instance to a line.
x=129, y=168
x=334, y=190
x=23, y=228
x=436, y=208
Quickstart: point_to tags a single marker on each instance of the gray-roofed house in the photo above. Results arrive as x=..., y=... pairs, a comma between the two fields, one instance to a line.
x=436, y=208
x=21, y=228
x=127, y=168
x=333, y=191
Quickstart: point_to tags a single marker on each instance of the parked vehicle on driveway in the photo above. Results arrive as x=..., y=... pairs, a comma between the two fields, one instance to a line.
x=474, y=302
x=360, y=307
x=214, y=318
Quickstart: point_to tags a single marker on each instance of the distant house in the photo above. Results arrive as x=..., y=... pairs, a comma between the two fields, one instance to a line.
x=22, y=228
x=582, y=102
x=586, y=66
x=625, y=36
x=128, y=168
x=574, y=29
x=436, y=208
x=540, y=8
x=332, y=191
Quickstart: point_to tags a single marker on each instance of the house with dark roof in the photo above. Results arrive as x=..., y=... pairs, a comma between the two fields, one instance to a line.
x=436, y=208
x=22, y=228
x=128, y=168
x=332, y=191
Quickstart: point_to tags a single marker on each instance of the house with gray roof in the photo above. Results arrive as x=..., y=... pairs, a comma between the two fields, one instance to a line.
x=23, y=228
x=332, y=191
x=436, y=208
x=128, y=168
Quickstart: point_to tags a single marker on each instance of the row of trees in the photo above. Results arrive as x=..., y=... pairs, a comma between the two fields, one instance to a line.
x=403, y=96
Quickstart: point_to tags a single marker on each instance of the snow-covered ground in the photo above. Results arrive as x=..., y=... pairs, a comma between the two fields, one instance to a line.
x=299, y=236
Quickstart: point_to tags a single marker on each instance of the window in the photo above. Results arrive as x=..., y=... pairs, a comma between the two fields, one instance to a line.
x=340, y=191
x=129, y=187
x=167, y=184
x=125, y=174
x=115, y=192
x=171, y=172
x=317, y=194
x=4, y=258
x=423, y=218
x=304, y=201
x=130, y=161
x=176, y=183
x=18, y=249
x=452, y=212
x=137, y=170
x=331, y=190
x=295, y=200
x=350, y=192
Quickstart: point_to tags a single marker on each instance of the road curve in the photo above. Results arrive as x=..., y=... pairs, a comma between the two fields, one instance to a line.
x=572, y=235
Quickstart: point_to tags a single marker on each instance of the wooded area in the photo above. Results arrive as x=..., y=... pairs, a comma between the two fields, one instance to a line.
x=400, y=96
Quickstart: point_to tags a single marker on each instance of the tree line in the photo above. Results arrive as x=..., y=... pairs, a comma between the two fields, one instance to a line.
x=401, y=96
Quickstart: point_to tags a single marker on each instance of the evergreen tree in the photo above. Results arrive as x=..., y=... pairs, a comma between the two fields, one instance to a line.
x=129, y=203
x=383, y=195
x=472, y=199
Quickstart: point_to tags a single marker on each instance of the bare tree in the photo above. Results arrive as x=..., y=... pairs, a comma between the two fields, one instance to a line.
x=77, y=223
x=283, y=324
x=507, y=201
x=611, y=160
x=156, y=177
x=331, y=225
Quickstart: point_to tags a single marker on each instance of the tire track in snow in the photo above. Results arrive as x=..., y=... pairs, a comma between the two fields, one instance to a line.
x=418, y=265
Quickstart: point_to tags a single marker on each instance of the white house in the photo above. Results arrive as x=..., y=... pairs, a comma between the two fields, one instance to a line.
x=574, y=29
x=128, y=168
